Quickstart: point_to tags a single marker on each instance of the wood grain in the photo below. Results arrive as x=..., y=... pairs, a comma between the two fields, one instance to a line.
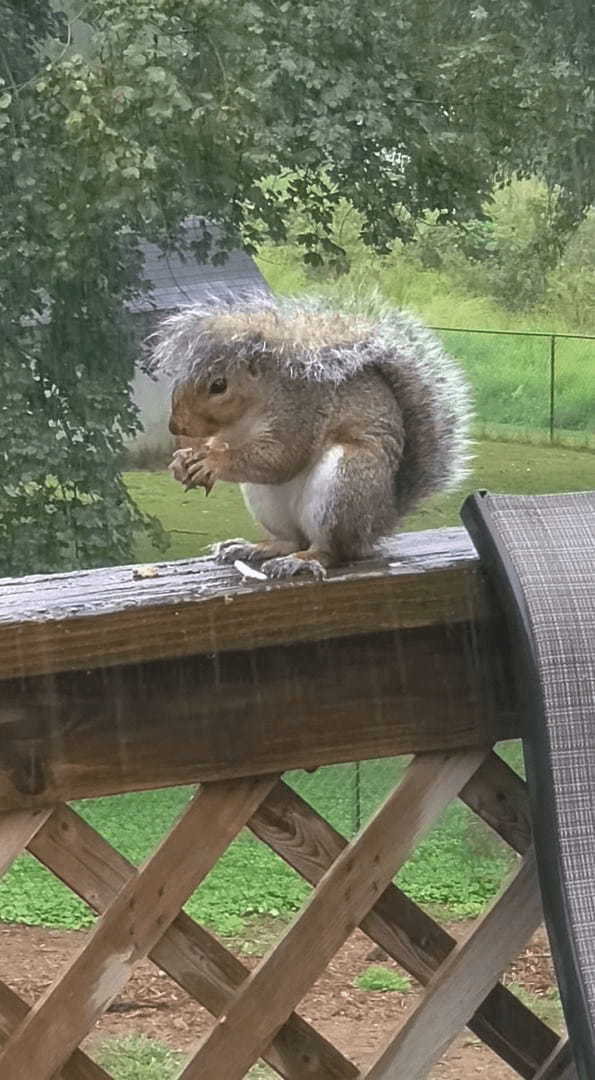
x=91, y=618
x=345, y=894
x=499, y=796
x=464, y=980
x=87, y=864
x=560, y=1065
x=17, y=828
x=137, y=919
x=81, y=734
x=310, y=845
x=13, y=1011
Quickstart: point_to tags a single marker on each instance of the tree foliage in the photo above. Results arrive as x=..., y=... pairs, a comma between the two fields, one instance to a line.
x=508, y=254
x=68, y=352
x=248, y=114
x=254, y=110
x=23, y=26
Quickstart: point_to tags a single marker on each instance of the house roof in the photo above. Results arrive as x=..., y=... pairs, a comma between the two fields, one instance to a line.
x=181, y=280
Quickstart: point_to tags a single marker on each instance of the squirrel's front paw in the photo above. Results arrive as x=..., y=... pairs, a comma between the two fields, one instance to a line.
x=190, y=468
x=230, y=550
x=290, y=565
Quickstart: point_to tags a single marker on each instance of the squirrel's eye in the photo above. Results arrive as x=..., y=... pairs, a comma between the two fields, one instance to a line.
x=218, y=386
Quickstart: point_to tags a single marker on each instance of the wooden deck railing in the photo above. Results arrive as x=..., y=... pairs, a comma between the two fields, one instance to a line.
x=111, y=682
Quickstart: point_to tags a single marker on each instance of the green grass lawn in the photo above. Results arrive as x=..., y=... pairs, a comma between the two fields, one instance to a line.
x=457, y=868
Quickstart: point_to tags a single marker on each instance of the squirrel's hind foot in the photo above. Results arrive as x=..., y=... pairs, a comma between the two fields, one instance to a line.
x=229, y=550
x=277, y=558
x=290, y=565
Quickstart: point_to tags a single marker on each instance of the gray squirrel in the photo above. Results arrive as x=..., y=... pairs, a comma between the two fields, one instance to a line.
x=335, y=422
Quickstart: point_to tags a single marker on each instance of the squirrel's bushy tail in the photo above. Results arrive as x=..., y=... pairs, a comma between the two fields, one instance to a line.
x=435, y=403
x=429, y=385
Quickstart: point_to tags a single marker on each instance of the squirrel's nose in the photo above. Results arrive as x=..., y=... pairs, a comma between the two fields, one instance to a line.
x=174, y=427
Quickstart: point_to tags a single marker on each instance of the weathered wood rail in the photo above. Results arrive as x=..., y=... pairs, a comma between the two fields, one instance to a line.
x=112, y=682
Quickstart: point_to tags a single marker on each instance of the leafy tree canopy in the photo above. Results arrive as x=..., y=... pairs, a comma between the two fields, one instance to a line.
x=24, y=27
x=248, y=111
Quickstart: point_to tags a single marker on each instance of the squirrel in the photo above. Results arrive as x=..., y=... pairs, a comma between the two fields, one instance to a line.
x=334, y=422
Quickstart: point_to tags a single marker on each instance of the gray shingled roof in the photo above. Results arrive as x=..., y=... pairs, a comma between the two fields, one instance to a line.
x=178, y=281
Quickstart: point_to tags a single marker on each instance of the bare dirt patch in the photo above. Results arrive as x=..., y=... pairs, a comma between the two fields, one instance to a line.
x=357, y=1021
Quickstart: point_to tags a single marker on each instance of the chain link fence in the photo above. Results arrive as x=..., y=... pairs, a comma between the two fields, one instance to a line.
x=528, y=385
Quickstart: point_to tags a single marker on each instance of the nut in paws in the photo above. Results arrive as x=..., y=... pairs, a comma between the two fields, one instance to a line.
x=189, y=466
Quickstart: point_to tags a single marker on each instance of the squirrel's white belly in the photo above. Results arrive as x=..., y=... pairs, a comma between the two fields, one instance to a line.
x=295, y=509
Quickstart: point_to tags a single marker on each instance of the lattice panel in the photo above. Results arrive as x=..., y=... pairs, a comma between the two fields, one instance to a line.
x=559, y=1066
x=141, y=916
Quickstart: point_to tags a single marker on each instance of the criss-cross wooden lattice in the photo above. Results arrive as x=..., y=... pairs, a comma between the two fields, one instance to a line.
x=255, y=1017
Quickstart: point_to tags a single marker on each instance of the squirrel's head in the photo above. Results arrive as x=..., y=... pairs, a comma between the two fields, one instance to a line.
x=203, y=407
x=234, y=362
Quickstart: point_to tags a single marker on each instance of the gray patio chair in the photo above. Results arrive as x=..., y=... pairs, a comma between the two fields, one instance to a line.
x=539, y=554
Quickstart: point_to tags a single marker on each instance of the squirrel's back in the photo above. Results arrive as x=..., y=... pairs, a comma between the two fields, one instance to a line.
x=314, y=340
